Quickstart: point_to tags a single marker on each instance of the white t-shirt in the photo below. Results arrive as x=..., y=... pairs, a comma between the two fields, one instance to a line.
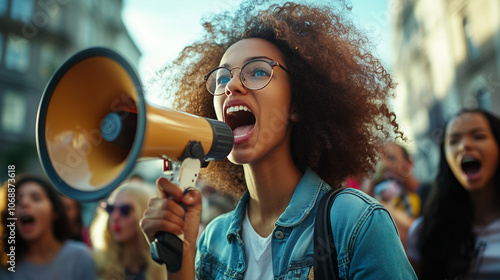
x=258, y=253
x=486, y=265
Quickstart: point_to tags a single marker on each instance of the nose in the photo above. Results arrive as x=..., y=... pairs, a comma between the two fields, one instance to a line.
x=235, y=86
x=465, y=144
x=23, y=202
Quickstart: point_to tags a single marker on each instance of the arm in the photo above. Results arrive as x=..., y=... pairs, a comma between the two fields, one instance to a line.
x=165, y=213
x=378, y=252
x=402, y=219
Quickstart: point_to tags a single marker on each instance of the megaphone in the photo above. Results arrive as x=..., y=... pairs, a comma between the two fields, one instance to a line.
x=93, y=125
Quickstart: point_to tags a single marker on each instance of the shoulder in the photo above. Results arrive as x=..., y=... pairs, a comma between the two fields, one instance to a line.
x=79, y=260
x=217, y=228
x=355, y=215
x=352, y=203
x=75, y=250
x=71, y=246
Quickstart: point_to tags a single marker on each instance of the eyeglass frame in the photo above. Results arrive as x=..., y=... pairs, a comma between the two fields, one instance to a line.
x=271, y=63
x=110, y=208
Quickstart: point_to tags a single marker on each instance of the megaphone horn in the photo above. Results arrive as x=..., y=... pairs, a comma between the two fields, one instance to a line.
x=93, y=125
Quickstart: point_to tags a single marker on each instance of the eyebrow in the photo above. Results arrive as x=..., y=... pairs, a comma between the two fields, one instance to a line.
x=248, y=59
x=472, y=131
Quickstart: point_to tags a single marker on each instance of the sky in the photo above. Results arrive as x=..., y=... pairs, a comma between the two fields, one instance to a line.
x=162, y=28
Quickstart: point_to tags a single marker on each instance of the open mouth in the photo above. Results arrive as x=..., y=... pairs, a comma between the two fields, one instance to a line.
x=240, y=119
x=471, y=166
x=27, y=220
x=26, y=223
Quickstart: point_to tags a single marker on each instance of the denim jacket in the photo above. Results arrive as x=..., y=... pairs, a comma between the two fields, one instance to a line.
x=365, y=235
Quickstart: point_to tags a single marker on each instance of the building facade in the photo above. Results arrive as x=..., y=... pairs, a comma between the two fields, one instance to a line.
x=36, y=37
x=447, y=57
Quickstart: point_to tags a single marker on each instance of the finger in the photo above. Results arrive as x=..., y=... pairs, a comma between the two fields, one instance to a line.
x=150, y=227
x=193, y=201
x=193, y=197
x=158, y=204
x=157, y=214
x=165, y=188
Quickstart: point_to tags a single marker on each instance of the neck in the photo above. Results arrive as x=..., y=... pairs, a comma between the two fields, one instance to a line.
x=44, y=249
x=487, y=205
x=271, y=184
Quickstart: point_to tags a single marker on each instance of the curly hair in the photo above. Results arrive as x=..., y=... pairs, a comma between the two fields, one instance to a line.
x=449, y=216
x=339, y=89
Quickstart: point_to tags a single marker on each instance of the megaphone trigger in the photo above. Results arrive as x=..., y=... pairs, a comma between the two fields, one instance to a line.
x=167, y=248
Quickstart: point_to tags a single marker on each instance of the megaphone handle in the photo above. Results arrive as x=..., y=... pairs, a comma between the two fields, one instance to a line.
x=167, y=247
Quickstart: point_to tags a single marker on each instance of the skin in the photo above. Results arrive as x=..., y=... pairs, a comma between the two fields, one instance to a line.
x=395, y=163
x=72, y=212
x=400, y=168
x=123, y=228
x=470, y=135
x=43, y=246
x=270, y=173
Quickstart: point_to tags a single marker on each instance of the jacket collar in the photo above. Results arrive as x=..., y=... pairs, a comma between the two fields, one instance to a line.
x=303, y=200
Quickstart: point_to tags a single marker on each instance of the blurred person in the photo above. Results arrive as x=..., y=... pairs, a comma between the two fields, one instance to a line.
x=303, y=99
x=458, y=236
x=396, y=187
x=120, y=249
x=42, y=248
x=74, y=212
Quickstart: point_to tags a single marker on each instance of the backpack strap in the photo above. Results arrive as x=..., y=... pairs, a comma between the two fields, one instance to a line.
x=325, y=254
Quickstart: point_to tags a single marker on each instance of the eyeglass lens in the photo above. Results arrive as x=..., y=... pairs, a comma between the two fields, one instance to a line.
x=124, y=209
x=254, y=75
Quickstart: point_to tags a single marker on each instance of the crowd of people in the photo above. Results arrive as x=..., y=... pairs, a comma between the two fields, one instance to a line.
x=307, y=104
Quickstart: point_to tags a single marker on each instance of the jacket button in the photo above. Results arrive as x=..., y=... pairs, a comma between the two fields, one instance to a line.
x=279, y=234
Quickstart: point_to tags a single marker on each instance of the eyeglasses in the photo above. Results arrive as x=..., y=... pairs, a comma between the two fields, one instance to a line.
x=254, y=75
x=124, y=209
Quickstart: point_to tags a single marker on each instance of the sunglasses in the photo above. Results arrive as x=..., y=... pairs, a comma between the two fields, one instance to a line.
x=124, y=209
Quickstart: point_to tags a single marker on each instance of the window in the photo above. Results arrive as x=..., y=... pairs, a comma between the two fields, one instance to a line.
x=50, y=59
x=3, y=7
x=88, y=34
x=13, y=113
x=1, y=46
x=472, y=48
x=17, y=53
x=22, y=10
x=483, y=97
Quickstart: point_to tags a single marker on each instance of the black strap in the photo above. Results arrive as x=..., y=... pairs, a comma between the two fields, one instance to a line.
x=325, y=254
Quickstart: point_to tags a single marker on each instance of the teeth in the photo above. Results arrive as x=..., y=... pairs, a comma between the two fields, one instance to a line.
x=233, y=109
x=468, y=159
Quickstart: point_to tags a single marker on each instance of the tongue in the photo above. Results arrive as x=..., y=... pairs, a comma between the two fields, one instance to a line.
x=242, y=130
x=472, y=171
x=28, y=226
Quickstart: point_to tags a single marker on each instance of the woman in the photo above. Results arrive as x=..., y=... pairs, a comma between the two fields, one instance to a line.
x=121, y=251
x=74, y=212
x=306, y=103
x=42, y=249
x=459, y=234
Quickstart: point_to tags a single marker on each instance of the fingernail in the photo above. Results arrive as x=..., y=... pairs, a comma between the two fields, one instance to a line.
x=189, y=199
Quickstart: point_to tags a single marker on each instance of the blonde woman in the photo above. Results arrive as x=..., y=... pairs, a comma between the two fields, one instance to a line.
x=121, y=250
